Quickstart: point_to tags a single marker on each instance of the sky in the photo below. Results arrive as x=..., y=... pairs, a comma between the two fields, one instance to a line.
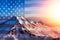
x=17, y=8
x=45, y=9
x=31, y=7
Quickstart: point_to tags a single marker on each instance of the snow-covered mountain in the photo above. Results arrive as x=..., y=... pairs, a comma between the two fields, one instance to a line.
x=33, y=28
x=39, y=28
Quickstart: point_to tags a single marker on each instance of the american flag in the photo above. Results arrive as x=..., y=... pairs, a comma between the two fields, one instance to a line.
x=11, y=8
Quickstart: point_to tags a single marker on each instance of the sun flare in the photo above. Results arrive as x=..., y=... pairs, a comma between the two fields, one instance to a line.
x=54, y=13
